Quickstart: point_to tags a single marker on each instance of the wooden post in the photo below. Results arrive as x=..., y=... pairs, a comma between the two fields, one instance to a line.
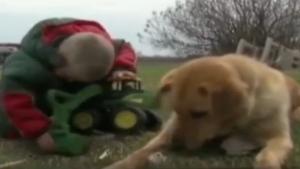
x=267, y=49
x=251, y=50
x=240, y=46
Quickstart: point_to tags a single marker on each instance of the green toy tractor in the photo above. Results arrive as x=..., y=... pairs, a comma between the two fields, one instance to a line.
x=120, y=107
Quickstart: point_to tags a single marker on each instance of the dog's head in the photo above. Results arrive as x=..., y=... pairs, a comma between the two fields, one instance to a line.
x=206, y=94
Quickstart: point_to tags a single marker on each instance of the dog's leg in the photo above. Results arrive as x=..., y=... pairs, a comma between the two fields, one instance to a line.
x=139, y=158
x=278, y=142
x=274, y=154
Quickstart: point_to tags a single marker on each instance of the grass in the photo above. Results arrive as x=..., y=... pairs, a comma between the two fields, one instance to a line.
x=151, y=72
x=120, y=147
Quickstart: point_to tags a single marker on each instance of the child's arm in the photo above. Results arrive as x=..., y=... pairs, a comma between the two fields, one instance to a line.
x=20, y=77
x=22, y=112
x=125, y=62
x=126, y=58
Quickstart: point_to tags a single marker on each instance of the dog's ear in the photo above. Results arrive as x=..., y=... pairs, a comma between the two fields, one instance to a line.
x=230, y=97
x=165, y=87
x=166, y=81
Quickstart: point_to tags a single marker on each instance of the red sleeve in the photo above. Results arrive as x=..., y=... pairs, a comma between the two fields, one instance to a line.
x=23, y=114
x=126, y=58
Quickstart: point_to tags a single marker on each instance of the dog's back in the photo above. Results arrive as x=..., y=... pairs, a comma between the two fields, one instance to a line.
x=255, y=74
x=294, y=89
x=262, y=78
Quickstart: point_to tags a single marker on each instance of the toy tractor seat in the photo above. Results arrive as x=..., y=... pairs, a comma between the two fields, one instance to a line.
x=111, y=108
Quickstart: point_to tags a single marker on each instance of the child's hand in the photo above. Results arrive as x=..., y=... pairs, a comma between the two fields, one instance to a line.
x=119, y=75
x=46, y=142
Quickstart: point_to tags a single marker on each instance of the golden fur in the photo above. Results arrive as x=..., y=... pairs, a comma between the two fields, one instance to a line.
x=232, y=94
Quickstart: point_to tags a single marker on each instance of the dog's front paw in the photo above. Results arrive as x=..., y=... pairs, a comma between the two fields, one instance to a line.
x=237, y=145
x=266, y=161
x=122, y=164
x=133, y=161
x=157, y=158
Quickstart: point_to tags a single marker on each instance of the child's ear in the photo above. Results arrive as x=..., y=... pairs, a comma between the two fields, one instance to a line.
x=59, y=60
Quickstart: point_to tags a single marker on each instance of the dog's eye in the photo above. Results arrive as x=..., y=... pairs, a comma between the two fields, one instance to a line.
x=198, y=114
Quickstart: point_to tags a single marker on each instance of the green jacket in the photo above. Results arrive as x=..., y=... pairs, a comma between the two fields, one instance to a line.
x=28, y=75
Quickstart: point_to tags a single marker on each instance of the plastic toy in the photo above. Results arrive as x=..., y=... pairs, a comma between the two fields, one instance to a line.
x=120, y=107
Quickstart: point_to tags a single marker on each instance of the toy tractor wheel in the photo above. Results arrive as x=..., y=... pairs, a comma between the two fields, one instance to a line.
x=128, y=120
x=84, y=121
x=153, y=122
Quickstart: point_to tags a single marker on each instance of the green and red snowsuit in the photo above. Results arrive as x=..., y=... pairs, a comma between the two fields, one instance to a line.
x=28, y=75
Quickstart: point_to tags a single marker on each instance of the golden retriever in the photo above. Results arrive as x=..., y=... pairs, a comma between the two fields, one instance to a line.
x=225, y=95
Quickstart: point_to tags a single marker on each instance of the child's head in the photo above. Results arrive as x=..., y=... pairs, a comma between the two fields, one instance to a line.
x=85, y=57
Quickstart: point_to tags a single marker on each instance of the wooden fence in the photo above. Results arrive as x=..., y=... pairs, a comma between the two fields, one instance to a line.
x=272, y=53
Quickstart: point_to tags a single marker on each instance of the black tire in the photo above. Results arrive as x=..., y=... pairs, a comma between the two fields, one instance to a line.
x=127, y=120
x=153, y=122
